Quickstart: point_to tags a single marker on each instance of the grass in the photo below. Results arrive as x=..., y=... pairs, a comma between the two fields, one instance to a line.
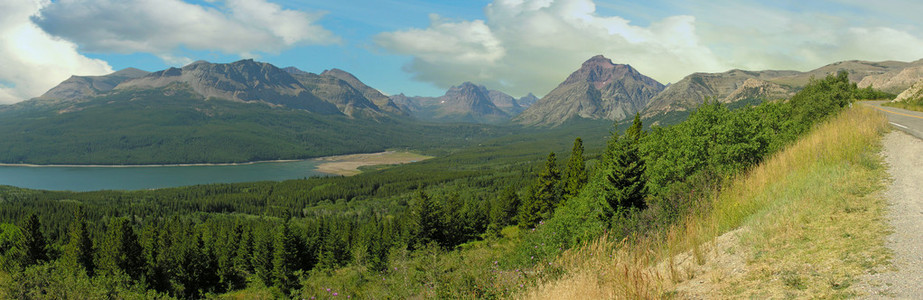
x=804, y=223
x=914, y=106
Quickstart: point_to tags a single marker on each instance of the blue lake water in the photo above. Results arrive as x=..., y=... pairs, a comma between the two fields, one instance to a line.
x=136, y=178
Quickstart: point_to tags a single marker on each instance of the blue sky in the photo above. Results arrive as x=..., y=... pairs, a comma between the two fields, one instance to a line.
x=422, y=47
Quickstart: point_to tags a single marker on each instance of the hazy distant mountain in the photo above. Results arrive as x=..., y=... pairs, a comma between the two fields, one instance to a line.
x=600, y=89
x=527, y=100
x=728, y=87
x=244, y=80
x=82, y=87
x=467, y=102
x=895, y=81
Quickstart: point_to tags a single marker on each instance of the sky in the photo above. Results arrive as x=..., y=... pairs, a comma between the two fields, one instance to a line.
x=422, y=47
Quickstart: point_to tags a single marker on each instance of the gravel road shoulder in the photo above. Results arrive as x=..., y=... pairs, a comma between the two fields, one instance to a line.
x=904, y=280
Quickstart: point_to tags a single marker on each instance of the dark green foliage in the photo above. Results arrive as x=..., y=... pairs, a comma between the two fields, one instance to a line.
x=425, y=223
x=33, y=242
x=543, y=195
x=285, y=258
x=504, y=209
x=575, y=174
x=624, y=173
x=79, y=252
x=120, y=251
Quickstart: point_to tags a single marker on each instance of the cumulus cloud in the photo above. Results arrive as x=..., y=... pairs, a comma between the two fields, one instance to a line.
x=532, y=45
x=32, y=60
x=163, y=26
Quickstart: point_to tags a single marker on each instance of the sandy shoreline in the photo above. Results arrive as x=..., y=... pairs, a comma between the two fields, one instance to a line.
x=348, y=165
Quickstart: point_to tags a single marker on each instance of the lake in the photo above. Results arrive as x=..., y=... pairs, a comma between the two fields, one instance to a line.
x=150, y=177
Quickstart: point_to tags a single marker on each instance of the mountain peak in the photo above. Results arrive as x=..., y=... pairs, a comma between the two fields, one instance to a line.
x=600, y=89
x=599, y=60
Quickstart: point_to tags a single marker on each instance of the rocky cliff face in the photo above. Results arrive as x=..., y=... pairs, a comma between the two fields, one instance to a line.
x=82, y=87
x=244, y=80
x=912, y=94
x=728, y=87
x=857, y=69
x=895, y=81
x=600, y=89
x=349, y=100
x=383, y=102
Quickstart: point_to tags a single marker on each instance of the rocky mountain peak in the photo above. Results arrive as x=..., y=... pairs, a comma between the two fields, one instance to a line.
x=599, y=89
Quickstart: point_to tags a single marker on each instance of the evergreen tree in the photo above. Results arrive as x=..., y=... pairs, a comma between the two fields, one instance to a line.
x=544, y=196
x=425, y=222
x=78, y=253
x=505, y=208
x=625, y=172
x=285, y=259
x=575, y=175
x=121, y=251
x=33, y=242
x=262, y=258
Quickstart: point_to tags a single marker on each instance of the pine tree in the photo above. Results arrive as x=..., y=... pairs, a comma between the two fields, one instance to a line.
x=625, y=172
x=262, y=258
x=285, y=259
x=425, y=222
x=121, y=251
x=575, y=175
x=505, y=208
x=544, y=195
x=33, y=242
x=78, y=253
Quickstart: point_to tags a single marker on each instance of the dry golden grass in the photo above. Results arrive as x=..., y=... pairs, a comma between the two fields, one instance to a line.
x=804, y=223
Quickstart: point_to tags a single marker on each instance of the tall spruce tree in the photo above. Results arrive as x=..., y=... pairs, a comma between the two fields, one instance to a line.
x=575, y=174
x=285, y=259
x=425, y=221
x=121, y=251
x=79, y=252
x=544, y=195
x=625, y=171
x=33, y=242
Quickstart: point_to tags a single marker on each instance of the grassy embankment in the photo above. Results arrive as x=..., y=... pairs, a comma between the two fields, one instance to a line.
x=804, y=223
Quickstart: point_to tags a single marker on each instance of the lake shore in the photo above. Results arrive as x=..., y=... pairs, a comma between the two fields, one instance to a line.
x=348, y=165
x=151, y=165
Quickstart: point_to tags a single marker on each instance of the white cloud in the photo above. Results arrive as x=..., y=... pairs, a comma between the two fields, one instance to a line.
x=532, y=45
x=163, y=26
x=32, y=60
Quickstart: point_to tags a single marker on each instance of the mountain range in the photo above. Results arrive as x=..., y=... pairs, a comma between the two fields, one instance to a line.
x=248, y=110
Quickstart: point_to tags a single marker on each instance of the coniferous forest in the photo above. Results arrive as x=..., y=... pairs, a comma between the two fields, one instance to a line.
x=479, y=222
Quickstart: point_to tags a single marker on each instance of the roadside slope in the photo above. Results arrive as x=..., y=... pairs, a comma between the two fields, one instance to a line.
x=805, y=223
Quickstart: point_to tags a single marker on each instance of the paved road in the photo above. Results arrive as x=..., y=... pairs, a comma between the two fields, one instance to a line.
x=905, y=120
x=904, y=156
